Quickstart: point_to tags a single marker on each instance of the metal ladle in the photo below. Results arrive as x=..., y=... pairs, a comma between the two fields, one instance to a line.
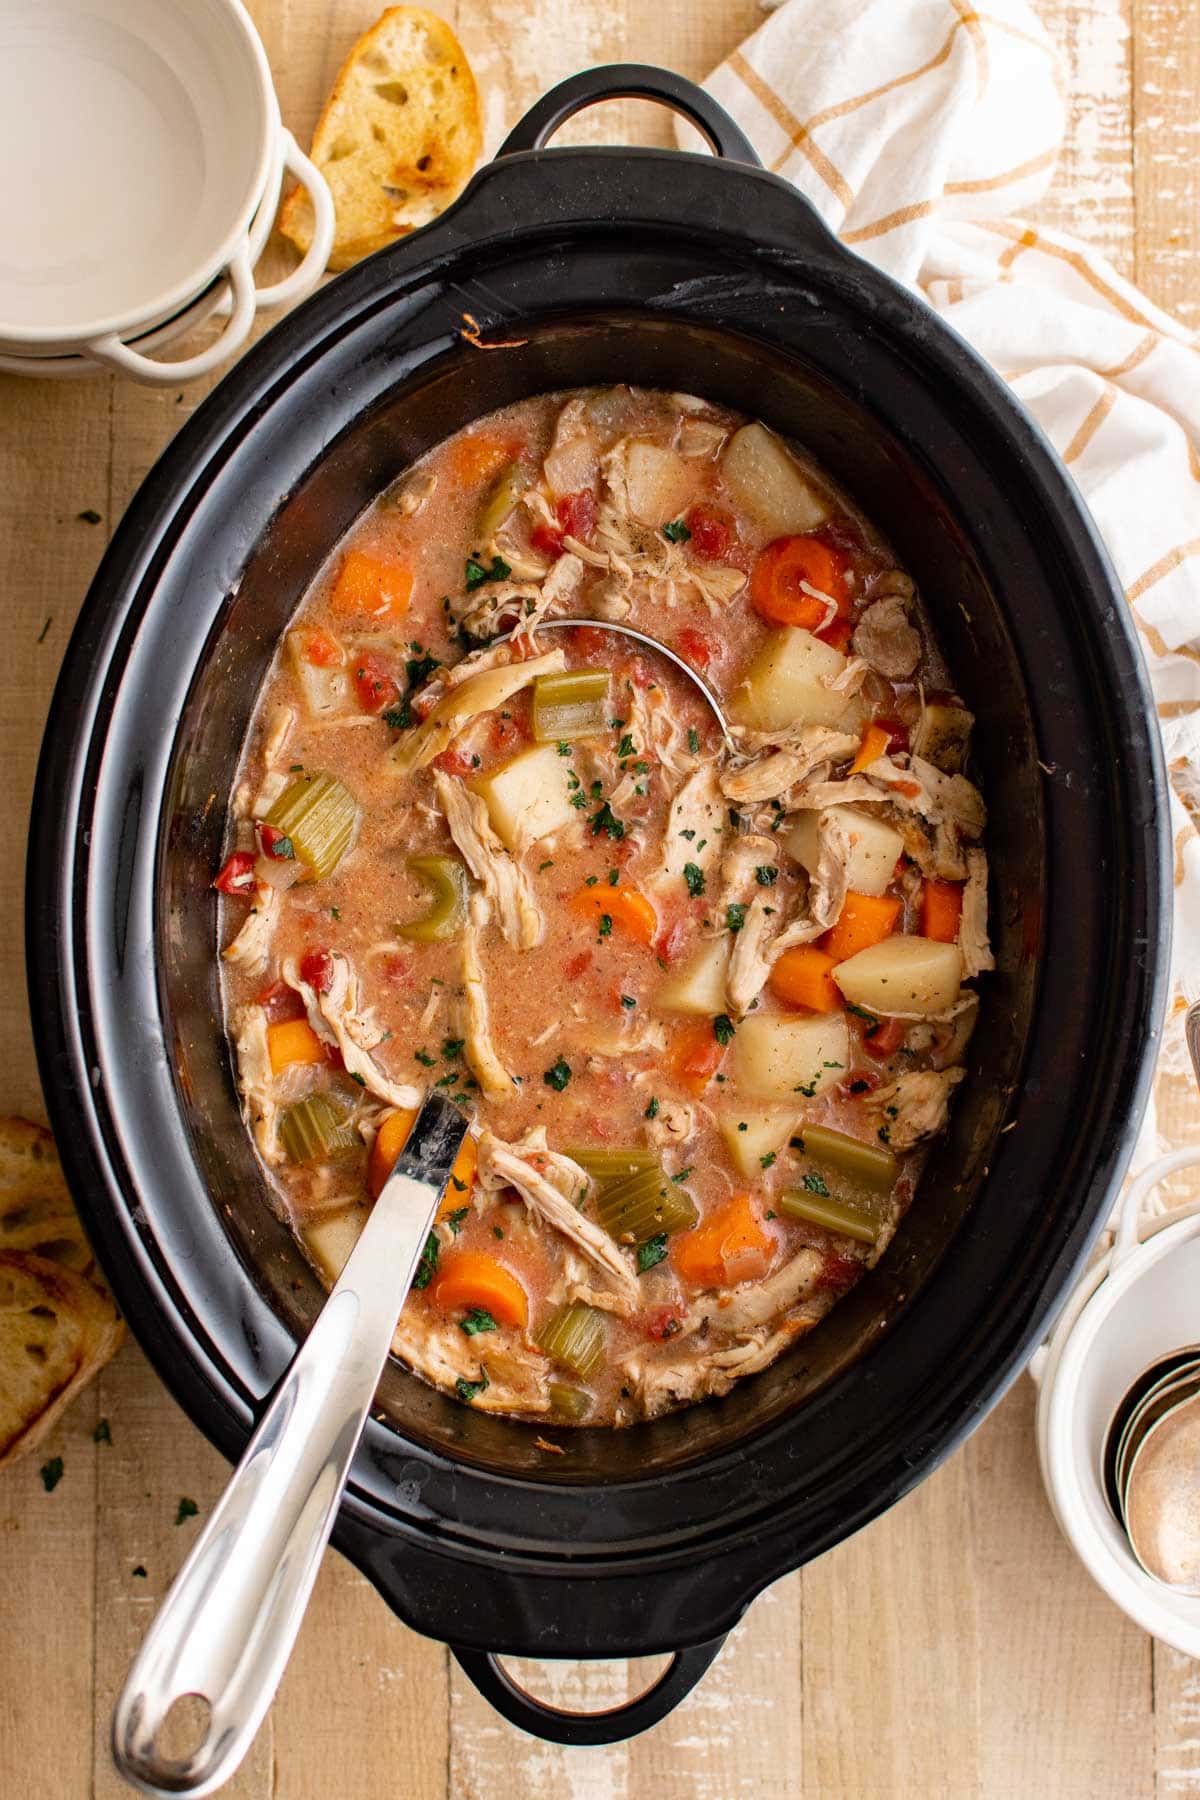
x=226, y=1628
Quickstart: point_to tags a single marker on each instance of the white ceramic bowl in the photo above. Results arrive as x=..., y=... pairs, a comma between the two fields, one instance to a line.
x=1136, y=1304
x=144, y=153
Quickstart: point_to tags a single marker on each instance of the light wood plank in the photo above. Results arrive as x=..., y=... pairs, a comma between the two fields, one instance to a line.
x=1166, y=142
x=1092, y=194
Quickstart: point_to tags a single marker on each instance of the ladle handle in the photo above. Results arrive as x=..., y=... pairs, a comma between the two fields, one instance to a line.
x=226, y=1628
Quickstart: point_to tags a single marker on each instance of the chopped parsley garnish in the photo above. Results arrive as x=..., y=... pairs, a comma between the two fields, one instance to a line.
x=796, y=1143
x=689, y=835
x=693, y=740
x=477, y=573
x=735, y=916
x=626, y=746
x=427, y=1267
x=283, y=849
x=766, y=1161
x=652, y=1252
x=676, y=531
x=420, y=668
x=592, y=881
x=605, y=929
x=815, y=1185
x=742, y=1125
x=559, y=1073
x=884, y=1134
x=735, y=819
x=614, y=876
x=543, y=866
x=564, y=749
x=766, y=875
x=606, y=820
x=423, y=1057
x=579, y=800
x=723, y=1028
x=693, y=874
x=860, y=1012
x=187, y=1510
x=467, y=1390
x=354, y=1076
x=455, y=1219
x=102, y=1434
x=681, y=1177
x=51, y=1473
x=496, y=1231
x=477, y=1320
x=452, y=1047
x=399, y=718
x=335, y=912
x=628, y=1001
x=651, y=1111
x=295, y=768
x=807, y=1088
x=446, y=1080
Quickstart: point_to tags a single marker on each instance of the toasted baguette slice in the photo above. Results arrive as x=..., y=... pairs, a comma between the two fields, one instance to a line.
x=36, y=1212
x=398, y=139
x=56, y=1331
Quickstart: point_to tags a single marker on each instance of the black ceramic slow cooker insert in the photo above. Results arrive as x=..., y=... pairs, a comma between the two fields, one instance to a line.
x=684, y=272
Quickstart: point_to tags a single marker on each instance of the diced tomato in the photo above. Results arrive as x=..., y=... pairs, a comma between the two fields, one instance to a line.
x=671, y=940
x=897, y=732
x=375, y=687
x=884, y=1039
x=590, y=640
x=860, y=1082
x=641, y=674
x=577, y=515
x=695, y=647
x=270, y=837
x=574, y=967
x=664, y=1322
x=837, y=1273
x=281, y=1003
x=455, y=762
x=316, y=968
x=237, y=874
x=712, y=532
x=397, y=969
x=322, y=650
x=546, y=539
x=837, y=633
x=695, y=1054
x=334, y=1057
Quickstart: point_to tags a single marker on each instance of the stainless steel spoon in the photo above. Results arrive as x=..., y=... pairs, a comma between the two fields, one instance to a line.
x=226, y=1628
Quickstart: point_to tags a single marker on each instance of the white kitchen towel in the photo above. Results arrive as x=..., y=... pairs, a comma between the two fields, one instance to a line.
x=923, y=131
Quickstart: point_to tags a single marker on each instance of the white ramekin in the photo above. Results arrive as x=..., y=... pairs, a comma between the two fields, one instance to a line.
x=1134, y=1305
x=145, y=154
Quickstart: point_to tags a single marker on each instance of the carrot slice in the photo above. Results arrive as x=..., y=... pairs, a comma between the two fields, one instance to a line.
x=469, y=1279
x=391, y=1138
x=875, y=741
x=480, y=454
x=293, y=1041
x=627, y=907
x=865, y=919
x=801, y=977
x=368, y=586
x=941, y=910
x=727, y=1246
x=694, y=1054
x=776, y=592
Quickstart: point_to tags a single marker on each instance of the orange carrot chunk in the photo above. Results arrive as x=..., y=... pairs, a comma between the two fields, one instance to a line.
x=627, y=907
x=694, y=1054
x=941, y=910
x=801, y=977
x=480, y=454
x=390, y=1140
x=294, y=1041
x=875, y=741
x=369, y=587
x=782, y=575
x=865, y=919
x=729, y=1245
x=469, y=1280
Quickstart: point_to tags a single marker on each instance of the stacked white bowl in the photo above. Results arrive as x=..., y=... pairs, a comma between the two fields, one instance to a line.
x=143, y=154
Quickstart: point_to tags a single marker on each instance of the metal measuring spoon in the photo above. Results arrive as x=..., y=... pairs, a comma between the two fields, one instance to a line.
x=226, y=1628
x=1162, y=1498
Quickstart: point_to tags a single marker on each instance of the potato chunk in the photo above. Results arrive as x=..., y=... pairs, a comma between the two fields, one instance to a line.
x=767, y=481
x=752, y=1136
x=902, y=975
x=699, y=987
x=660, y=484
x=874, y=848
x=528, y=797
x=787, y=683
x=942, y=735
x=780, y=1058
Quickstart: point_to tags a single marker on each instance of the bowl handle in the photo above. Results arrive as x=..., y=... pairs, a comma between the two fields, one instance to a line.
x=113, y=354
x=611, y=1726
x=630, y=81
x=307, y=272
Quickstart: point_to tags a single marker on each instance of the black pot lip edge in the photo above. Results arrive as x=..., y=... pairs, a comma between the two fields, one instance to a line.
x=1020, y=416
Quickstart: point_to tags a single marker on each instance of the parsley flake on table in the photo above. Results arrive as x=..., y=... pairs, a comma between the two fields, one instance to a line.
x=51, y=1473
x=187, y=1510
x=557, y=1075
x=102, y=1434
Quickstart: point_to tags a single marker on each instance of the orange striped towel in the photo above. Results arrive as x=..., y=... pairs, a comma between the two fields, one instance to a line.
x=918, y=128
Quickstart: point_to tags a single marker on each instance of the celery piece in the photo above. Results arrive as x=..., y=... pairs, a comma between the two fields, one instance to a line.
x=315, y=1128
x=850, y=1218
x=447, y=881
x=641, y=1205
x=608, y=1165
x=574, y=1337
x=321, y=818
x=569, y=1402
x=569, y=705
x=871, y=1164
x=500, y=499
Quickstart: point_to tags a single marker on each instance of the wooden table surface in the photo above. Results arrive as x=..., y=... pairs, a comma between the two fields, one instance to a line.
x=955, y=1647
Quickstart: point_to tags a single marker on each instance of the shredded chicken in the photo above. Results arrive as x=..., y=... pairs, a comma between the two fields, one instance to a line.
x=251, y=948
x=660, y=1381
x=540, y=1176
x=972, y=930
x=571, y=461
x=415, y=492
x=672, y=1125
x=516, y=1374
x=700, y=438
x=887, y=639
x=255, y=1079
x=943, y=808
x=336, y=1017
x=758, y=1302
x=916, y=1105
x=693, y=830
x=481, y=692
x=478, y=1048
x=774, y=771
x=279, y=729
x=504, y=881
x=827, y=885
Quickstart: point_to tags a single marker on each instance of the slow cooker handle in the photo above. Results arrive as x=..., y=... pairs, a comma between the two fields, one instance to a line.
x=630, y=81
x=614, y=1724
